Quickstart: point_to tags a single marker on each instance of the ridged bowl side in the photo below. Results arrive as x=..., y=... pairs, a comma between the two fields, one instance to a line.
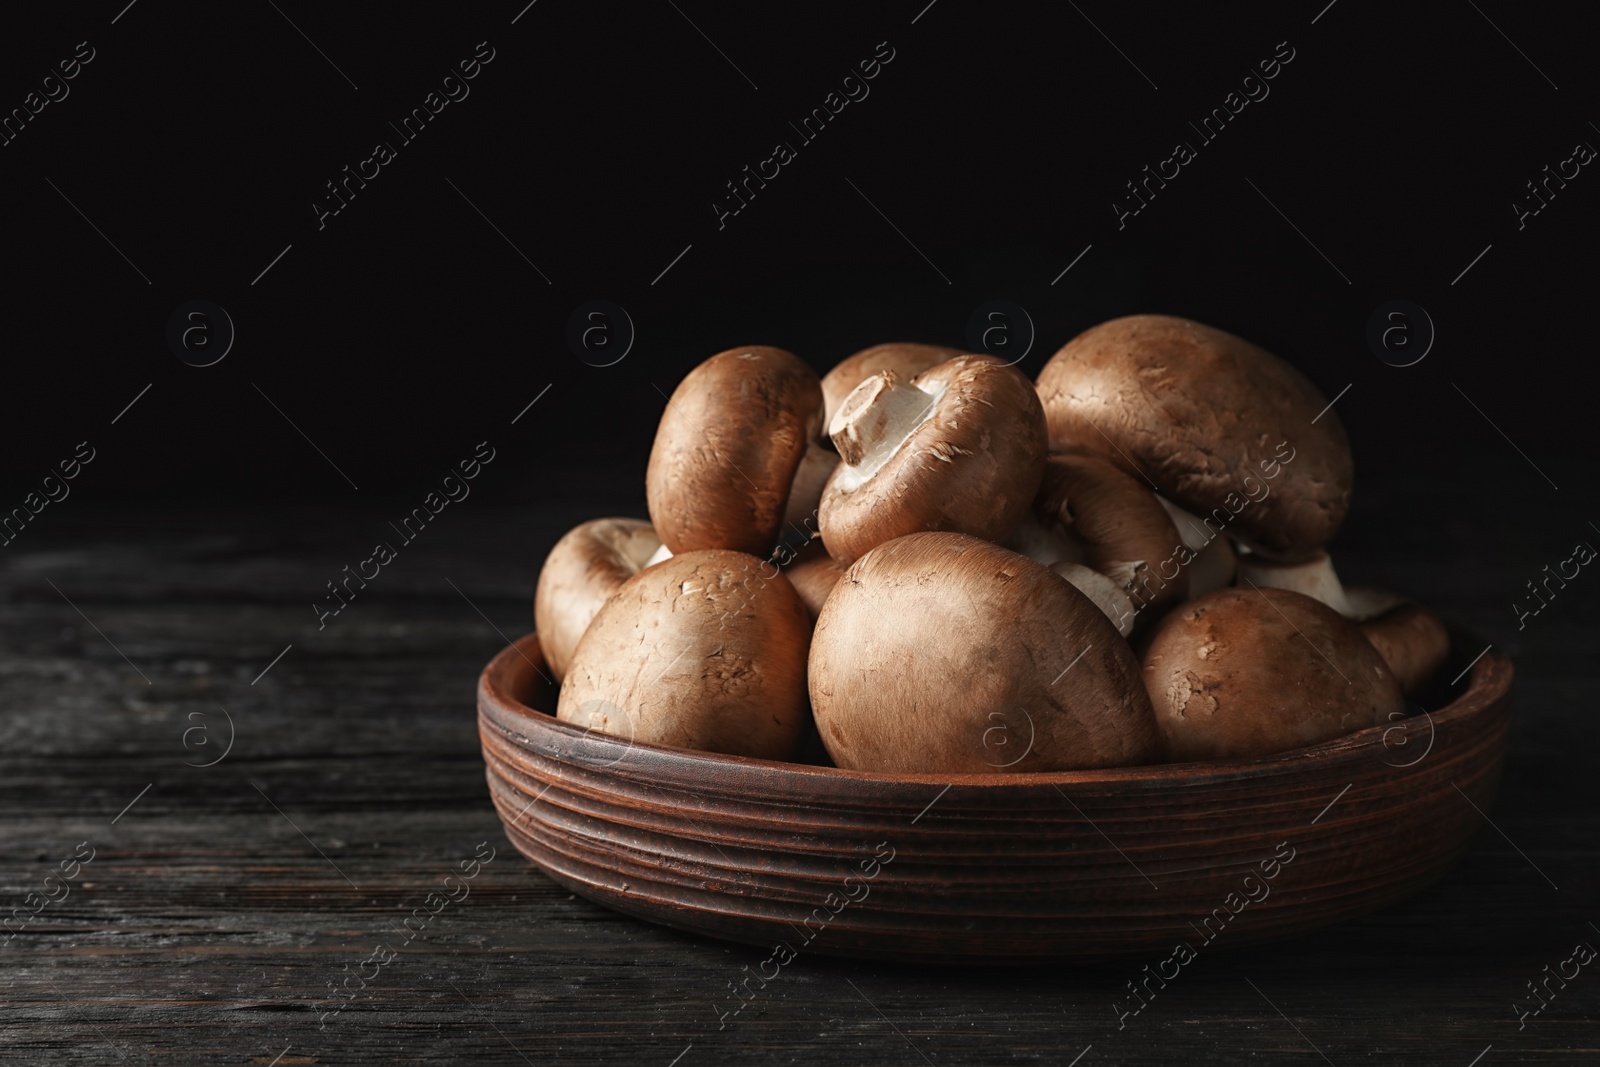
x=993, y=866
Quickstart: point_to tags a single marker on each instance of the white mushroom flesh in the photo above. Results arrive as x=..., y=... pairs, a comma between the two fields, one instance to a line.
x=806, y=492
x=1315, y=578
x=1213, y=563
x=1046, y=543
x=877, y=418
x=1105, y=593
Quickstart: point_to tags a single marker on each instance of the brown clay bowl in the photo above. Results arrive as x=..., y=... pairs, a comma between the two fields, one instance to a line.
x=993, y=866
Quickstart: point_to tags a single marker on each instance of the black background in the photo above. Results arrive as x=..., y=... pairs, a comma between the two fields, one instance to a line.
x=408, y=329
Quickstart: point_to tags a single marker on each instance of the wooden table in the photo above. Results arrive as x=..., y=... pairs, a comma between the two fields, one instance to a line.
x=225, y=902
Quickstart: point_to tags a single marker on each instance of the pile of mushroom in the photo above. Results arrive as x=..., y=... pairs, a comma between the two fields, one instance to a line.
x=923, y=562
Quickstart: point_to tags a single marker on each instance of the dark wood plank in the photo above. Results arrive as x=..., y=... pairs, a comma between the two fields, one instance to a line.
x=209, y=925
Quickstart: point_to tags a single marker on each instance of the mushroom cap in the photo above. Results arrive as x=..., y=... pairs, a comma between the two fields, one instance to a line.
x=706, y=650
x=906, y=358
x=814, y=573
x=726, y=452
x=1240, y=673
x=1412, y=640
x=942, y=653
x=972, y=465
x=1126, y=534
x=582, y=571
x=1209, y=418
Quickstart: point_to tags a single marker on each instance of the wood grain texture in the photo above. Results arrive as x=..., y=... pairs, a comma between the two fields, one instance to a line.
x=207, y=928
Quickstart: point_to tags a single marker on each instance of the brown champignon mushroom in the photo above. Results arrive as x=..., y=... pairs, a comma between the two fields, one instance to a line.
x=961, y=447
x=1120, y=530
x=907, y=360
x=813, y=573
x=933, y=641
x=582, y=571
x=1219, y=426
x=729, y=445
x=706, y=650
x=1241, y=673
x=1412, y=641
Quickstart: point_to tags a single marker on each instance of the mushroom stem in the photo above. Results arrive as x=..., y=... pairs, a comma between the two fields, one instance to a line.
x=1214, y=559
x=1315, y=578
x=657, y=556
x=805, y=494
x=1367, y=602
x=1105, y=593
x=876, y=418
x=1046, y=543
